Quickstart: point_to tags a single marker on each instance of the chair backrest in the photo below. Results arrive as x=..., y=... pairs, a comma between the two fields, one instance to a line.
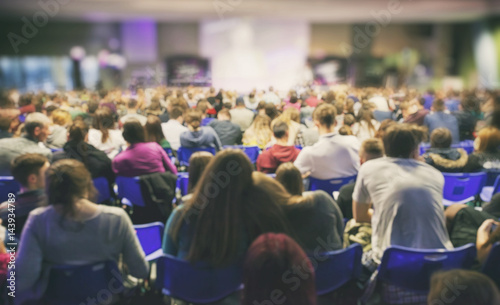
x=150, y=236
x=336, y=268
x=102, y=186
x=330, y=185
x=467, y=145
x=252, y=152
x=460, y=188
x=206, y=121
x=129, y=188
x=184, y=153
x=183, y=182
x=196, y=283
x=492, y=265
x=170, y=154
x=412, y=269
x=424, y=147
x=8, y=185
x=72, y=285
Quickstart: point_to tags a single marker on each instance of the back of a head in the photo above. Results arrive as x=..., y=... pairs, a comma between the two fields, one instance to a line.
x=349, y=120
x=293, y=99
x=224, y=114
x=280, y=129
x=400, y=141
x=132, y=103
x=133, y=132
x=5, y=122
x=438, y=105
x=325, y=114
x=61, y=117
x=67, y=181
x=197, y=164
x=152, y=129
x=25, y=165
x=292, y=114
x=441, y=138
x=270, y=257
x=372, y=148
x=176, y=112
x=34, y=120
x=203, y=106
x=290, y=177
x=240, y=102
x=488, y=139
x=462, y=287
x=78, y=131
x=384, y=125
x=193, y=118
x=271, y=110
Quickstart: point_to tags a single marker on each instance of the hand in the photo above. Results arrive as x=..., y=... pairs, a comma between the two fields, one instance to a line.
x=484, y=232
x=304, y=176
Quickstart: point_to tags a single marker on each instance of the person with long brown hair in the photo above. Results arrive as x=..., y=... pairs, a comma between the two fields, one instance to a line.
x=367, y=126
x=74, y=230
x=269, y=258
x=154, y=132
x=103, y=136
x=226, y=213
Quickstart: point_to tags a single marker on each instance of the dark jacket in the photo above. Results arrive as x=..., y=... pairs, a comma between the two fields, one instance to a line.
x=466, y=124
x=269, y=160
x=229, y=133
x=158, y=192
x=483, y=161
x=450, y=160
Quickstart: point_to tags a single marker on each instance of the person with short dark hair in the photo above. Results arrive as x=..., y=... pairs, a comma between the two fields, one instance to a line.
x=229, y=133
x=442, y=156
x=333, y=156
x=269, y=160
x=268, y=259
x=5, y=122
x=132, y=107
x=467, y=116
x=401, y=189
x=462, y=287
x=174, y=128
x=439, y=119
x=73, y=230
x=197, y=135
x=29, y=171
x=141, y=157
x=36, y=127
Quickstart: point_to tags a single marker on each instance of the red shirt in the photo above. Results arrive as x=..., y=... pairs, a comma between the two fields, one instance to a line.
x=269, y=160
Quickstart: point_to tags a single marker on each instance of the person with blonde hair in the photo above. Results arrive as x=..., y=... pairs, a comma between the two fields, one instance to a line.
x=259, y=133
x=61, y=119
x=486, y=154
x=291, y=116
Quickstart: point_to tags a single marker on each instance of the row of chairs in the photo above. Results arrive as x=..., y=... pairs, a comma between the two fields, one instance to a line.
x=406, y=268
x=467, y=145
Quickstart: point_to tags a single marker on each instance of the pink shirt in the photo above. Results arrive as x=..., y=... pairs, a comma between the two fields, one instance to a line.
x=290, y=105
x=141, y=159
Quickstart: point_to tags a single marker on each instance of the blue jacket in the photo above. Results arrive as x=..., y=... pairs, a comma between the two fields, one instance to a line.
x=441, y=119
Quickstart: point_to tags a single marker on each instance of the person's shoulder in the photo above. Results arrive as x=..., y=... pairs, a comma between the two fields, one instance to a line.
x=113, y=212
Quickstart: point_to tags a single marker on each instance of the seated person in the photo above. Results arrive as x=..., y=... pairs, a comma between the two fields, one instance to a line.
x=29, y=171
x=198, y=136
x=270, y=257
x=315, y=219
x=37, y=130
x=103, y=135
x=141, y=157
x=61, y=119
x=154, y=132
x=290, y=178
x=96, y=161
x=442, y=156
x=370, y=149
x=486, y=156
x=259, y=133
x=469, y=287
x=229, y=133
x=197, y=164
x=73, y=230
x=269, y=160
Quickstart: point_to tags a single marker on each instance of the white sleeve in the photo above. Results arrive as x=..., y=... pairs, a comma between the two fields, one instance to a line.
x=361, y=194
x=303, y=161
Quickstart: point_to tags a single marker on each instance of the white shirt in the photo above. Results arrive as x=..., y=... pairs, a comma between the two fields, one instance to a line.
x=363, y=131
x=380, y=102
x=135, y=116
x=172, y=131
x=407, y=202
x=242, y=117
x=113, y=145
x=333, y=156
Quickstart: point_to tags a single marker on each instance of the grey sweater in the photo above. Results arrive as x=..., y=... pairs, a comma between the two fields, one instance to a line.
x=47, y=241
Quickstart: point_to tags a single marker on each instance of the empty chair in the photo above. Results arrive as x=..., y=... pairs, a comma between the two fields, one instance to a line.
x=183, y=182
x=488, y=191
x=150, y=236
x=252, y=152
x=411, y=269
x=184, y=153
x=196, y=283
x=330, y=185
x=492, y=265
x=102, y=186
x=8, y=185
x=338, y=268
x=73, y=285
x=462, y=188
x=129, y=191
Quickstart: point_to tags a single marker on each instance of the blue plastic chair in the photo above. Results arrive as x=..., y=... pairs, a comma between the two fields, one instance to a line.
x=129, y=191
x=170, y=154
x=8, y=185
x=411, y=269
x=338, y=268
x=252, y=152
x=72, y=285
x=150, y=236
x=102, y=186
x=184, y=153
x=183, y=182
x=424, y=147
x=467, y=145
x=330, y=185
x=488, y=191
x=206, y=121
x=196, y=283
x=492, y=265
x=462, y=188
